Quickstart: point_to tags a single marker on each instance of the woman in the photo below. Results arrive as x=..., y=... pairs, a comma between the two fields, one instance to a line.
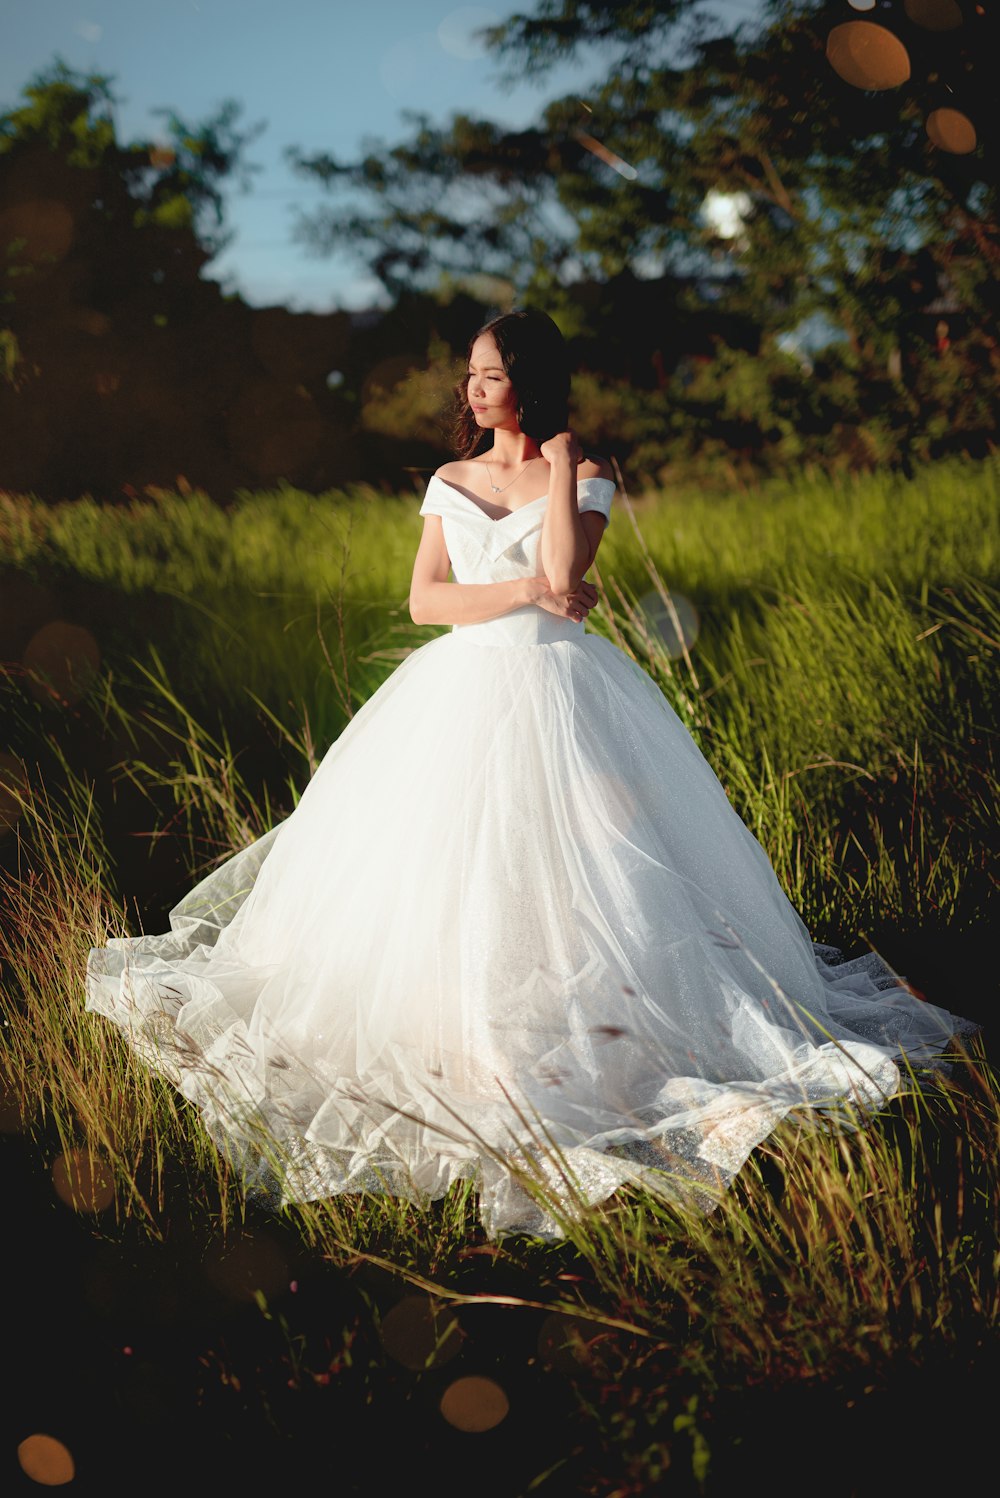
x=513, y=931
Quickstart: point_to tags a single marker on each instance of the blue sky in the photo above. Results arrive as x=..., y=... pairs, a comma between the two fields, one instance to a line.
x=324, y=74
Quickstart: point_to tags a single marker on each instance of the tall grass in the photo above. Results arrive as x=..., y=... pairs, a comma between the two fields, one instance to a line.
x=848, y=705
x=844, y=665
x=920, y=531
x=837, y=1251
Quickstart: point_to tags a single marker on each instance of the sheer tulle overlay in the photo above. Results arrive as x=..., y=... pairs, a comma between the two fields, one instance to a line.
x=514, y=932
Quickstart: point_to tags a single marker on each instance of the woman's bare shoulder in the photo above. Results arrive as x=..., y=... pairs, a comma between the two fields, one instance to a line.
x=593, y=467
x=457, y=472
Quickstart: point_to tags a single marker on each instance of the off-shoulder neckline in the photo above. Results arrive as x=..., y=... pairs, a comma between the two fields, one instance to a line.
x=499, y=519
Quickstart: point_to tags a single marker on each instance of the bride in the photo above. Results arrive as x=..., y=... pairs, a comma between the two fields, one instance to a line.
x=513, y=931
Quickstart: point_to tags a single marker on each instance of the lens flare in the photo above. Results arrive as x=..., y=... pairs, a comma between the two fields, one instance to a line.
x=44, y=224
x=62, y=660
x=406, y=65
x=89, y=320
x=867, y=56
x=608, y=157
x=83, y=1180
x=250, y=1264
x=13, y=788
x=421, y=1334
x=474, y=1404
x=275, y=427
x=672, y=621
x=726, y=212
x=934, y=15
x=574, y=1346
x=12, y=1119
x=46, y=1460
x=384, y=376
x=951, y=130
x=456, y=32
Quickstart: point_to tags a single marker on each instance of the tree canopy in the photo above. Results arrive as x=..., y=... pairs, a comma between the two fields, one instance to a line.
x=843, y=224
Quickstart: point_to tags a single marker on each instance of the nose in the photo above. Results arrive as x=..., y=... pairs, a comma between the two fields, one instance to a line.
x=475, y=388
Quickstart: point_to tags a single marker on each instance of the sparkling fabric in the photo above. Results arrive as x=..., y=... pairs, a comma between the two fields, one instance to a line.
x=514, y=932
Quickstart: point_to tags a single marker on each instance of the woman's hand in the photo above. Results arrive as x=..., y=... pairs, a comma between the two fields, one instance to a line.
x=575, y=605
x=563, y=447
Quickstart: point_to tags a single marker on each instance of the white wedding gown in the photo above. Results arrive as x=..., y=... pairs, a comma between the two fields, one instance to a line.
x=512, y=931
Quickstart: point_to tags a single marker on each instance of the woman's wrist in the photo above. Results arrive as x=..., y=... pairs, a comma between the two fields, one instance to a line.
x=562, y=463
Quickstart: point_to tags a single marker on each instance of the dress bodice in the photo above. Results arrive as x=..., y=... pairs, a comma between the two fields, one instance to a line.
x=484, y=550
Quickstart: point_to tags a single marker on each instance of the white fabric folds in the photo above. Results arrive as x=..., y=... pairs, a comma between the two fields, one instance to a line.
x=513, y=931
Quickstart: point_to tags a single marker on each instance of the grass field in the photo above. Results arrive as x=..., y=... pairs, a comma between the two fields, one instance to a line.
x=837, y=664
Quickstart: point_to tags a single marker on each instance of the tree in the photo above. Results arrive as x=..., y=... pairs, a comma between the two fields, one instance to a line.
x=849, y=218
x=120, y=366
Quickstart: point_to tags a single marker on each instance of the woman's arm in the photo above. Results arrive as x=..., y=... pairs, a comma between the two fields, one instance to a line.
x=434, y=600
x=569, y=540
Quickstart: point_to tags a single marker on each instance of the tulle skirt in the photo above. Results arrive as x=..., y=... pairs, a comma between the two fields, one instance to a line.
x=513, y=932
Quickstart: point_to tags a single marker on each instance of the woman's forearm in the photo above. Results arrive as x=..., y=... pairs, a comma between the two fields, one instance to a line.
x=563, y=550
x=467, y=603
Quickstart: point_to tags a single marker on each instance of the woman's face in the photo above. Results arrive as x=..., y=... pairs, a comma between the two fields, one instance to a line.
x=491, y=396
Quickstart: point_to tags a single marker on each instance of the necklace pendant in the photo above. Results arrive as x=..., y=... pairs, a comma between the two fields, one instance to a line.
x=495, y=488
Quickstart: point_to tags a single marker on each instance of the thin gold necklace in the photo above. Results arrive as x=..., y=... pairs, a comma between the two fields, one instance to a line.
x=497, y=489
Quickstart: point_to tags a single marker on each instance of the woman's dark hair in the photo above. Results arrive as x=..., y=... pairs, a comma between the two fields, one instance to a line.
x=536, y=361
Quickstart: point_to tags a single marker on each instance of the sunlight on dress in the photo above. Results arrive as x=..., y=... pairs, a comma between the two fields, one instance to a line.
x=513, y=931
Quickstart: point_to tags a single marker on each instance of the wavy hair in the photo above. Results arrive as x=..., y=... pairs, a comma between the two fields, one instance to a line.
x=536, y=361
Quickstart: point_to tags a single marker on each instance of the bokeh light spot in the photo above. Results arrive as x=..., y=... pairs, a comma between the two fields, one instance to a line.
x=24, y=607
x=12, y=1120
x=934, y=15
x=62, y=660
x=89, y=320
x=46, y=1460
x=573, y=1346
x=862, y=4
x=672, y=621
x=13, y=787
x=951, y=130
x=407, y=63
x=474, y=1404
x=867, y=56
x=382, y=379
x=421, y=1334
x=83, y=1180
x=247, y=1266
x=44, y=224
x=273, y=425
x=725, y=212
x=456, y=32
x=138, y=1287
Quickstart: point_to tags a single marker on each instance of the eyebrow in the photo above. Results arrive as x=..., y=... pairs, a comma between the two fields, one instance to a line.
x=489, y=366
